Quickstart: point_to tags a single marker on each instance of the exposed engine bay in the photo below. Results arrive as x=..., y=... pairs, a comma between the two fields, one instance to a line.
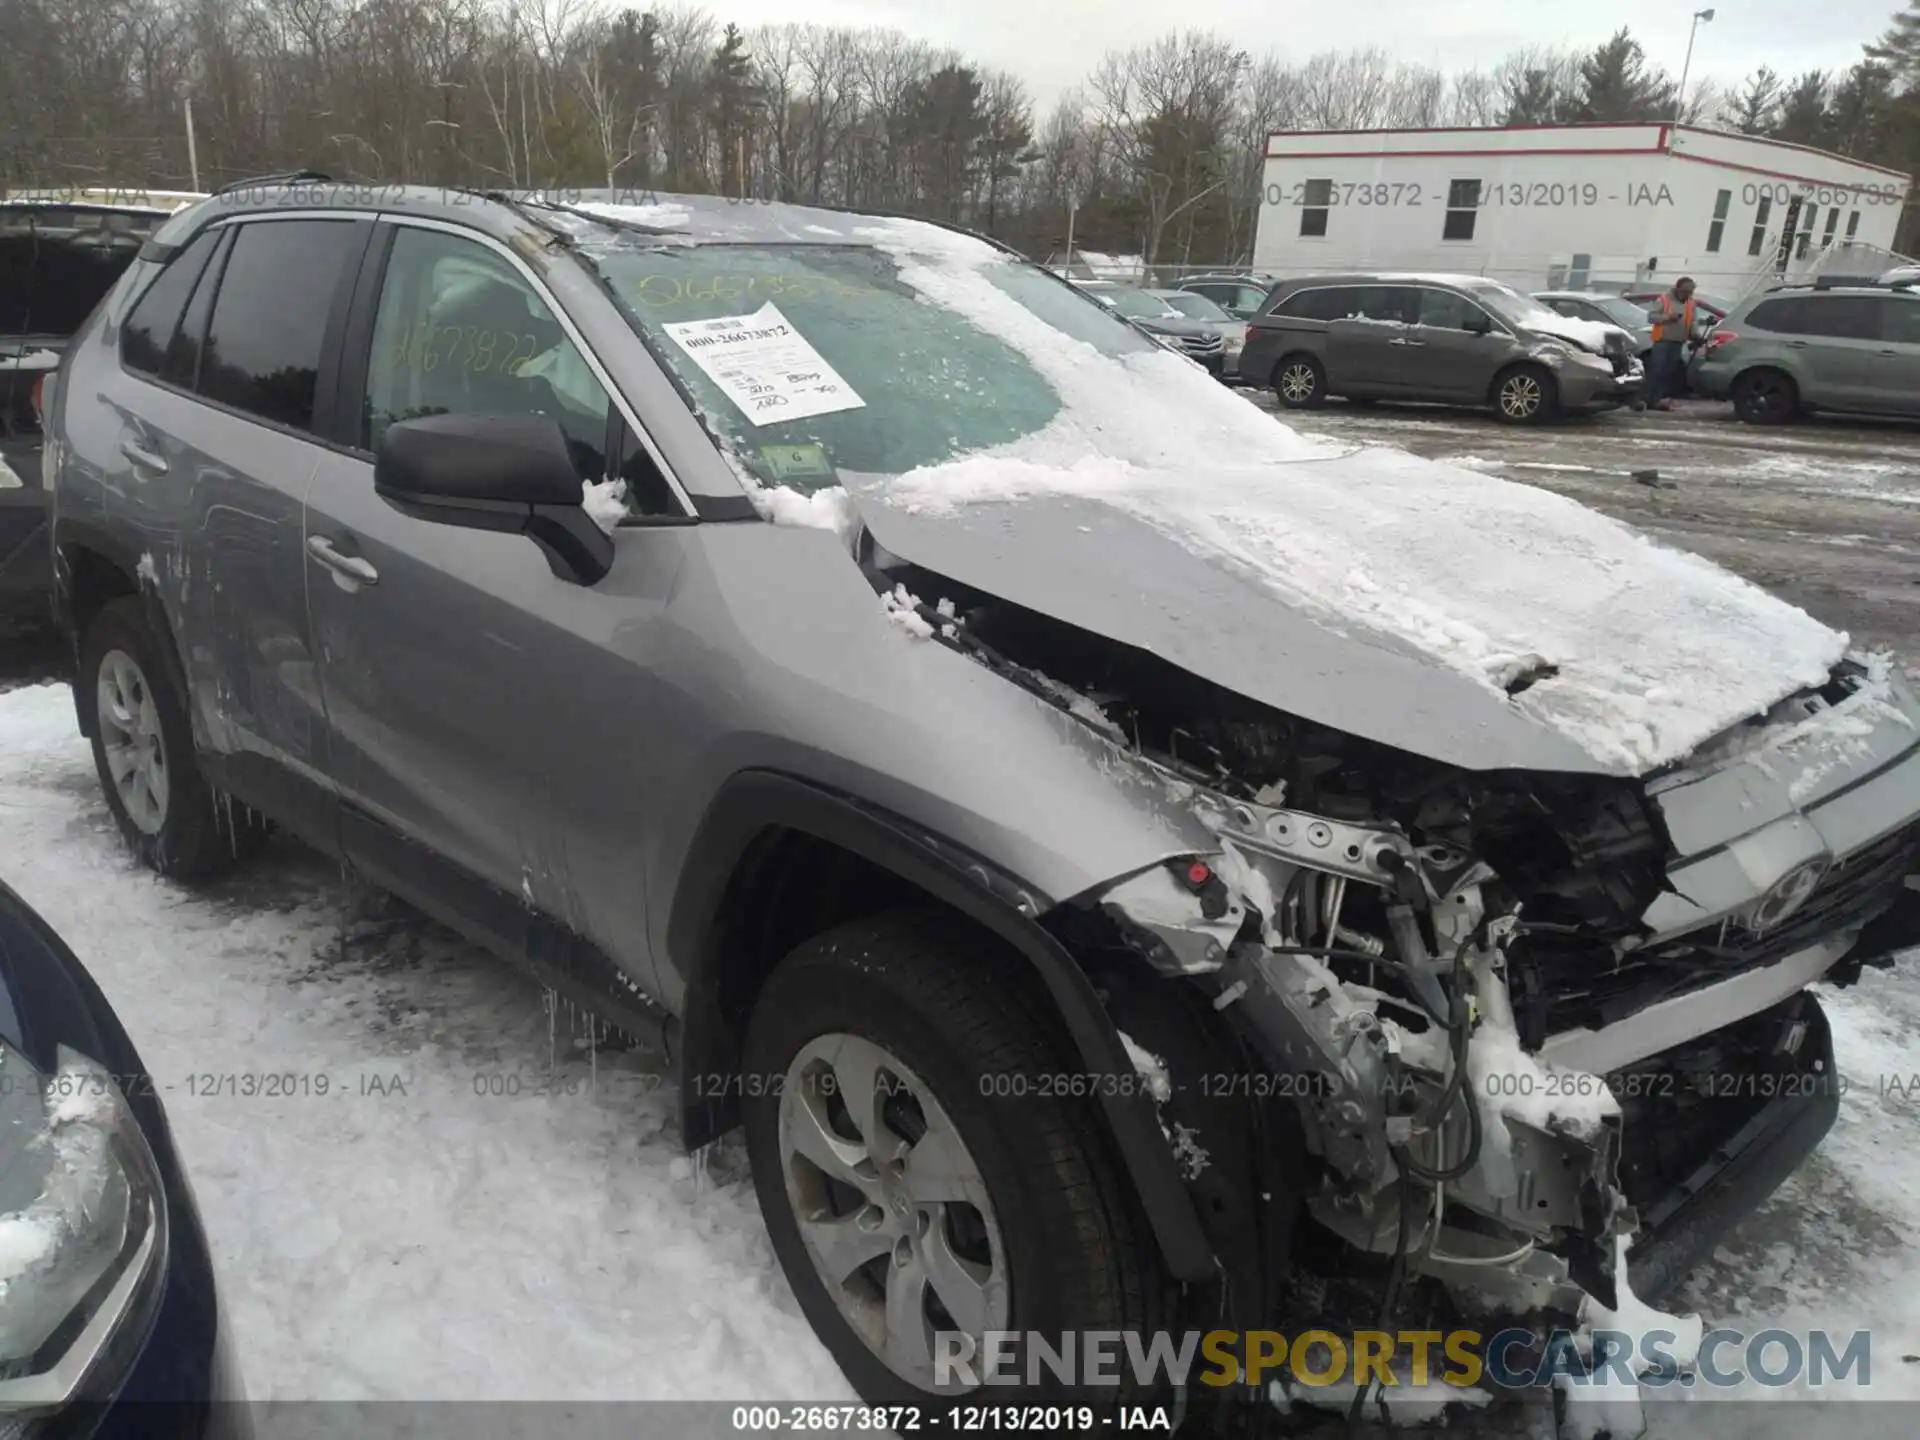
x=1386, y=946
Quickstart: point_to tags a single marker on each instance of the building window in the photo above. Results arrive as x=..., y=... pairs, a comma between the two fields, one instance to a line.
x=1760, y=218
x=1833, y=222
x=1315, y=197
x=1853, y=223
x=1582, y=270
x=1463, y=203
x=1719, y=226
x=1806, y=232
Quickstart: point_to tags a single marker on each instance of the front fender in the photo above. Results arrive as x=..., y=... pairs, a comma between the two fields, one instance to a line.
x=756, y=801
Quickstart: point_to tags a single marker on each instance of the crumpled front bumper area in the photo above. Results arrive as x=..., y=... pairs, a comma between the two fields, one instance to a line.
x=1714, y=1128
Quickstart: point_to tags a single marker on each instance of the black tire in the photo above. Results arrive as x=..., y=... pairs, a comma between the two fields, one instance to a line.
x=1076, y=1252
x=1766, y=397
x=199, y=834
x=1300, y=382
x=1524, y=395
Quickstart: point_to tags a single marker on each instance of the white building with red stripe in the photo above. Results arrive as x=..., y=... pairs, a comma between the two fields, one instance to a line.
x=1570, y=205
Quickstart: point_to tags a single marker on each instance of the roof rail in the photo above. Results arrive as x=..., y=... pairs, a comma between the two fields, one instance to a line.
x=277, y=177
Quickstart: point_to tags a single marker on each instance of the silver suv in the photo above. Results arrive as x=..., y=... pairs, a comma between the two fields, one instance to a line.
x=1086, y=833
x=1448, y=339
x=1793, y=350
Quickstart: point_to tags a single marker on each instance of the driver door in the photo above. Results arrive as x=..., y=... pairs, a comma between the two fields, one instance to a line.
x=448, y=655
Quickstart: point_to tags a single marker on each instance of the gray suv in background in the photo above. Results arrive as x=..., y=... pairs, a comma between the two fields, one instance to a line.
x=1793, y=350
x=1451, y=339
x=966, y=738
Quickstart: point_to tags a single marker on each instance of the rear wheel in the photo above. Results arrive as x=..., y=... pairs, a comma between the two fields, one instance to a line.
x=143, y=750
x=1766, y=397
x=919, y=1176
x=1300, y=382
x=1524, y=395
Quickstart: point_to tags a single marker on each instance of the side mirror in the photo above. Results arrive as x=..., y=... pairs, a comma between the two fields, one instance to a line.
x=510, y=473
x=1478, y=323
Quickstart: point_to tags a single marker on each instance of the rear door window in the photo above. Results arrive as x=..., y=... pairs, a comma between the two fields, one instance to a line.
x=149, y=330
x=269, y=321
x=1399, y=304
x=1842, y=317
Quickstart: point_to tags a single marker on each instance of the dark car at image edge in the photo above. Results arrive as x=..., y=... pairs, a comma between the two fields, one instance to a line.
x=109, y=1306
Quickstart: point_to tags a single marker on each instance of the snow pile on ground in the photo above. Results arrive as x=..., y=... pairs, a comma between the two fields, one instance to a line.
x=1657, y=649
x=480, y=1207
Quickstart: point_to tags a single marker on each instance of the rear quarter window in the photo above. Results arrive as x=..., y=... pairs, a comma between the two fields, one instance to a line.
x=149, y=330
x=1781, y=317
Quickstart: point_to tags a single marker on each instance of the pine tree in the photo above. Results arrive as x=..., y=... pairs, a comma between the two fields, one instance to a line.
x=734, y=102
x=1756, y=108
x=1899, y=49
x=1615, y=85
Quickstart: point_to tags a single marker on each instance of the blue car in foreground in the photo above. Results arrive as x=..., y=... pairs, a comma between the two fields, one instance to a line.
x=109, y=1319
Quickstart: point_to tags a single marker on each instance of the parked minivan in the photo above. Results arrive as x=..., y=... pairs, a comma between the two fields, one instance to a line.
x=1792, y=350
x=1452, y=339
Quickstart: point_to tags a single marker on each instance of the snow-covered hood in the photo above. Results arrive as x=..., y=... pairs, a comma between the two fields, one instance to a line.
x=1587, y=334
x=1380, y=594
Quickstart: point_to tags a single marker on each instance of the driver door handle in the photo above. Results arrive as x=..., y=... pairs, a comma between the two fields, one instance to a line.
x=144, y=458
x=1406, y=342
x=351, y=566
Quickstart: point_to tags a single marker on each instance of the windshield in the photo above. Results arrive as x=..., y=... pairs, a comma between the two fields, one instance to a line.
x=1136, y=304
x=810, y=360
x=1195, y=307
x=1513, y=307
x=1621, y=312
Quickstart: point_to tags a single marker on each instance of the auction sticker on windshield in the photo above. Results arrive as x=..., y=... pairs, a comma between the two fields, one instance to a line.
x=765, y=365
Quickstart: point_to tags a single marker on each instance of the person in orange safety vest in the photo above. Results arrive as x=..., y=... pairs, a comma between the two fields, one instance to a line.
x=1673, y=321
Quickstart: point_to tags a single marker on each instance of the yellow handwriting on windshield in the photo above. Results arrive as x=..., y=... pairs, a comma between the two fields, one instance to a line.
x=656, y=291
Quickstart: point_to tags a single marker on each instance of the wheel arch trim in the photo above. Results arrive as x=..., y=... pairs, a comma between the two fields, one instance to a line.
x=754, y=801
x=70, y=536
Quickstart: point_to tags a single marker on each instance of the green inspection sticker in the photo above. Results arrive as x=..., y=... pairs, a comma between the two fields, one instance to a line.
x=797, y=461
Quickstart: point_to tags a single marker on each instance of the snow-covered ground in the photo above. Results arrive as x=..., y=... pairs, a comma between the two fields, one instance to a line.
x=449, y=1242
x=432, y=1241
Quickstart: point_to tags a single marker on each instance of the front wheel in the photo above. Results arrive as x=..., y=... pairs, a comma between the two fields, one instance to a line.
x=1524, y=395
x=923, y=1177
x=143, y=750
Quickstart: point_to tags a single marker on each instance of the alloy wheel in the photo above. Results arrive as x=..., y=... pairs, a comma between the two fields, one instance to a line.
x=1297, y=382
x=891, y=1206
x=1521, y=397
x=130, y=735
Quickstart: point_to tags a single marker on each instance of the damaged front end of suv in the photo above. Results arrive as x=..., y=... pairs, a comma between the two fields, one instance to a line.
x=1537, y=1036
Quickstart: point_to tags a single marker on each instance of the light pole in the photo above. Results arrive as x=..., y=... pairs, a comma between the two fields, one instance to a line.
x=193, y=153
x=1680, y=99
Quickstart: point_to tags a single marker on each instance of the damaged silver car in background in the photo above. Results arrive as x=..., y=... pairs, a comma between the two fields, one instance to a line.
x=1127, y=866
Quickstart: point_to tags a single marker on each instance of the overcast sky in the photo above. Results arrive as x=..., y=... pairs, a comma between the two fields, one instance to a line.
x=1051, y=44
